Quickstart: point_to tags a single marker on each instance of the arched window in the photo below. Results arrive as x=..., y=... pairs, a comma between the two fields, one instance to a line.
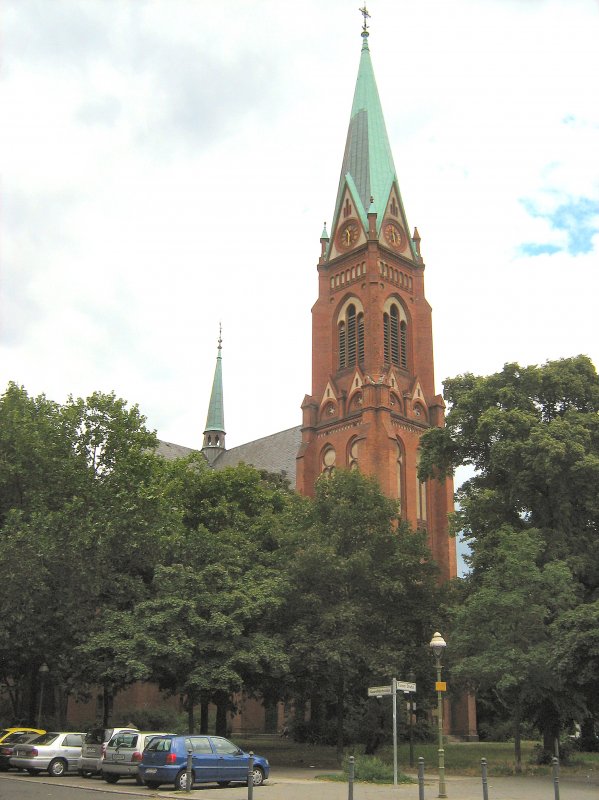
x=353, y=454
x=350, y=330
x=421, y=498
x=329, y=457
x=399, y=467
x=395, y=335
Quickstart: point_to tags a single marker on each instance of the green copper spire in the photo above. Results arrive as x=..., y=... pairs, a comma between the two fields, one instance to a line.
x=214, y=435
x=368, y=169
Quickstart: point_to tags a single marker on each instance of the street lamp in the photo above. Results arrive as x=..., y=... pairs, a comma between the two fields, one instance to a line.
x=438, y=645
x=412, y=679
x=42, y=672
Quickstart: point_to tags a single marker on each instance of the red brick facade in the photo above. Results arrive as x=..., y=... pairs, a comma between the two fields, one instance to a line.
x=371, y=413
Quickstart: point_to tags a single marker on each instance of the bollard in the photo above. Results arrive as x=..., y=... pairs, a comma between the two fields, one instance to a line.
x=188, y=771
x=420, y=778
x=555, y=768
x=352, y=767
x=251, y=776
x=483, y=769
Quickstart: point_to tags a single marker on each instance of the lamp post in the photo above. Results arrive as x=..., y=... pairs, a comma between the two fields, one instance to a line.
x=438, y=645
x=412, y=679
x=42, y=672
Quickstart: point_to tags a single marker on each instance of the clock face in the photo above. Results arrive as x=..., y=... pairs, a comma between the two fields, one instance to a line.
x=394, y=235
x=348, y=234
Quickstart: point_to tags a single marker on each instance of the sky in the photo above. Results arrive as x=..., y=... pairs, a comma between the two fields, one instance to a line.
x=167, y=166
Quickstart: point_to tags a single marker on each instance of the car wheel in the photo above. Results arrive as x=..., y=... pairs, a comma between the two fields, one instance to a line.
x=33, y=771
x=110, y=778
x=86, y=773
x=181, y=780
x=223, y=784
x=57, y=768
x=138, y=781
x=258, y=775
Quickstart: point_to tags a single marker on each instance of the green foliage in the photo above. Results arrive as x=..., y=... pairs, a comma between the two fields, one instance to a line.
x=78, y=508
x=530, y=514
x=361, y=597
x=155, y=719
x=370, y=769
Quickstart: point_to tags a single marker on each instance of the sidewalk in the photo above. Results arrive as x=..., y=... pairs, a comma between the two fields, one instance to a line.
x=302, y=784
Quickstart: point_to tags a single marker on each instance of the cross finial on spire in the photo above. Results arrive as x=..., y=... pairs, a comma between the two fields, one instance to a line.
x=366, y=15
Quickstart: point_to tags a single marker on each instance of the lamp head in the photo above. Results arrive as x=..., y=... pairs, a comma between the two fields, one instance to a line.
x=438, y=644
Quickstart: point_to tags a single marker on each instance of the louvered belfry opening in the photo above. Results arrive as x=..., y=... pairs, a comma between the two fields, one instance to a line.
x=351, y=339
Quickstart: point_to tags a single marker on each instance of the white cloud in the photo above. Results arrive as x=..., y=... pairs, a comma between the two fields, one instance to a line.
x=171, y=164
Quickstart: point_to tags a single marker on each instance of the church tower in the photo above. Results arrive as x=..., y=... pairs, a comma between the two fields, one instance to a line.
x=373, y=392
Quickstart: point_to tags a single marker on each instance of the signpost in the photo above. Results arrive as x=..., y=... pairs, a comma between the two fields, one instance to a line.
x=383, y=691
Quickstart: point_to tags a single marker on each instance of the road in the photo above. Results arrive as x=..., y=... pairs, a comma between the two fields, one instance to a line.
x=296, y=785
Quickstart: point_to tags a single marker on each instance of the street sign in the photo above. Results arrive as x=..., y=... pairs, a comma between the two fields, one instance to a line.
x=440, y=686
x=400, y=686
x=379, y=691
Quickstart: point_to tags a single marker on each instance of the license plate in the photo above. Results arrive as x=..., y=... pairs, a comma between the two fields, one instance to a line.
x=150, y=771
x=118, y=758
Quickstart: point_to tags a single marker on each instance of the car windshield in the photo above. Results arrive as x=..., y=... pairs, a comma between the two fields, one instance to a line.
x=159, y=745
x=223, y=746
x=46, y=738
x=14, y=737
x=97, y=736
x=123, y=740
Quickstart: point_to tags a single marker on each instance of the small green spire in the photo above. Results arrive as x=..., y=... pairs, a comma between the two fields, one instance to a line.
x=214, y=435
x=324, y=234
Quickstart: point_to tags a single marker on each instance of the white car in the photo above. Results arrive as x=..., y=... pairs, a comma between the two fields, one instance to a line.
x=56, y=753
x=123, y=754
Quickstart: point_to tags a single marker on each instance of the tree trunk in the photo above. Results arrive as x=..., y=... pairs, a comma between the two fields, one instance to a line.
x=61, y=699
x=107, y=702
x=33, y=697
x=190, y=715
x=204, y=716
x=222, y=705
x=340, y=717
x=517, y=741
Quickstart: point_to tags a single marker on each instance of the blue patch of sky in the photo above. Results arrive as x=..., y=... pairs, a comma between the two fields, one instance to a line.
x=578, y=218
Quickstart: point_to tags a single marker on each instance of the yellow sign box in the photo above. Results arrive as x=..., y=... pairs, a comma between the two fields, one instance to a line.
x=440, y=686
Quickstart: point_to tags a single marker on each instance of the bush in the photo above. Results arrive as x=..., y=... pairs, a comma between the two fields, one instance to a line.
x=156, y=719
x=371, y=769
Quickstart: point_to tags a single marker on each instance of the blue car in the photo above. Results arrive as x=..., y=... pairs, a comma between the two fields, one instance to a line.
x=214, y=760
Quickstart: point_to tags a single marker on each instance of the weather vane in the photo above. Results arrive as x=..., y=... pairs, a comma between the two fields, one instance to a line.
x=366, y=15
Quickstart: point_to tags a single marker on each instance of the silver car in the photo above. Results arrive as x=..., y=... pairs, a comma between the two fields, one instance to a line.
x=123, y=754
x=94, y=748
x=56, y=753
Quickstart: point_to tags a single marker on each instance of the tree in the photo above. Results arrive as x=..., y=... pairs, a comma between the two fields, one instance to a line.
x=532, y=436
x=207, y=630
x=81, y=520
x=575, y=657
x=501, y=635
x=361, y=597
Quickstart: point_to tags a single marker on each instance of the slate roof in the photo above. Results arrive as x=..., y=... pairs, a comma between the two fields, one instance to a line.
x=172, y=451
x=275, y=453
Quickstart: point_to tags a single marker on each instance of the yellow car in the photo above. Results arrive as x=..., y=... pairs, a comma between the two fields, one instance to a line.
x=9, y=737
x=7, y=733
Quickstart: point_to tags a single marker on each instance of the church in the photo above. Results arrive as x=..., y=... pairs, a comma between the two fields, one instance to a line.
x=373, y=389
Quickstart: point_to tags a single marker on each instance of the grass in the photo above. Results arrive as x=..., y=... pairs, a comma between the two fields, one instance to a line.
x=462, y=758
